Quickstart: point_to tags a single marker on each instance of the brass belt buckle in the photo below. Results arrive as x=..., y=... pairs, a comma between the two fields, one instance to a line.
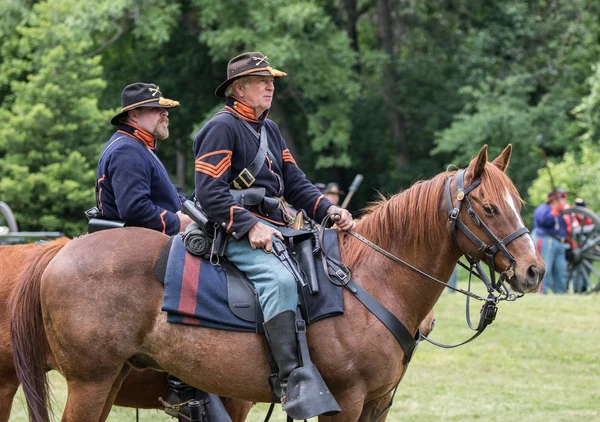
x=246, y=178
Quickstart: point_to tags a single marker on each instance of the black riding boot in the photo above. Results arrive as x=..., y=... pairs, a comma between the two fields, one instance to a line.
x=304, y=393
x=179, y=391
x=207, y=407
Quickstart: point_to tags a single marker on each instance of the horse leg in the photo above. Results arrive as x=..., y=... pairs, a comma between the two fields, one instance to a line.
x=8, y=389
x=351, y=402
x=237, y=409
x=89, y=400
x=115, y=389
x=375, y=409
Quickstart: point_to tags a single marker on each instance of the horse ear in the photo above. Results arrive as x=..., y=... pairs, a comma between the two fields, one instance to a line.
x=503, y=159
x=478, y=163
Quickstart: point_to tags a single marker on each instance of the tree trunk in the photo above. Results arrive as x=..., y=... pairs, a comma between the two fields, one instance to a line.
x=351, y=30
x=180, y=166
x=390, y=81
x=284, y=128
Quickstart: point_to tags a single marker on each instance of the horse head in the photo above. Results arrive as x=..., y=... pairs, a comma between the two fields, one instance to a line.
x=487, y=225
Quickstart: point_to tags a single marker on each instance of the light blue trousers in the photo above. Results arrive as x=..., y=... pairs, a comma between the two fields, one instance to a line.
x=274, y=283
x=553, y=254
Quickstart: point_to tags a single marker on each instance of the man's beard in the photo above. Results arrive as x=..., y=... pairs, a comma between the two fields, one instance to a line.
x=162, y=130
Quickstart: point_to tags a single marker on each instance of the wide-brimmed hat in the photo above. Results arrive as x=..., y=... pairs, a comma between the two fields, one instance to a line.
x=333, y=188
x=247, y=64
x=139, y=95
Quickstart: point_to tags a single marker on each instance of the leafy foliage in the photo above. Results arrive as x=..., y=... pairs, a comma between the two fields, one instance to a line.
x=392, y=89
x=577, y=172
x=303, y=41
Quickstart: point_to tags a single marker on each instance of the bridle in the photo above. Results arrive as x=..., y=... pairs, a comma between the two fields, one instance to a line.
x=499, y=245
x=497, y=289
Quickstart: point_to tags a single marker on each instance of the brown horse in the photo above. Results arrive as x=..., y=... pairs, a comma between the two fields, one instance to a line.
x=98, y=302
x=140, y=389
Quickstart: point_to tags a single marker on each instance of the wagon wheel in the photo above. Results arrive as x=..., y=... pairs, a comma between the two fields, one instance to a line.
x=7, y=219
x=584, y=261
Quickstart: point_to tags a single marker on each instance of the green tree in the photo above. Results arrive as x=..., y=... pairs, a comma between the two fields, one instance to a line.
x=50, y=120
x=313, y=104
x=502, y=116
x=52, y=127
x=536, y=57
x=577, y=172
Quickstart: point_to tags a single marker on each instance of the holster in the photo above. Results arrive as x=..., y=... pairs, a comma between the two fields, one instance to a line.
x=303, y=252
x=220, y=242
x=255, y=197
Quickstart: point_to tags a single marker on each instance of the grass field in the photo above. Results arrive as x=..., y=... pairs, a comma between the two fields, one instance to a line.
x=539, y=361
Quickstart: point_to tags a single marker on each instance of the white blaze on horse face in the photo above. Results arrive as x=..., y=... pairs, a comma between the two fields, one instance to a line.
x=511, y=202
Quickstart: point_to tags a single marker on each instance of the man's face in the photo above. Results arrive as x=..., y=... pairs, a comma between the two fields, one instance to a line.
x=563, y=201
x=258, y=92
x=154, y=120
x=558, y=203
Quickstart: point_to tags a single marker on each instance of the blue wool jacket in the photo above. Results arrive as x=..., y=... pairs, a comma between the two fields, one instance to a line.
x=223, y=148
x=545, y=223
x=133, y=185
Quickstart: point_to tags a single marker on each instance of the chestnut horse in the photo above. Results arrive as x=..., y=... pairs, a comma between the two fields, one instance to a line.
x=99, y=304
x=140, y=389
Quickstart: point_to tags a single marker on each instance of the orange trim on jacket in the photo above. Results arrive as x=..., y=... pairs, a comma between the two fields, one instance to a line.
x=231, y=216
x=317, y=204
x=100, y=193
x=262, y=217
x=212, y=170
x=146, y=137
x=243, y=110
x=162, y=219
x=287, y=157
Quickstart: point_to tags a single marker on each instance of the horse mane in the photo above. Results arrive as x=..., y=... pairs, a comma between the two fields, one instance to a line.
x=417, y=217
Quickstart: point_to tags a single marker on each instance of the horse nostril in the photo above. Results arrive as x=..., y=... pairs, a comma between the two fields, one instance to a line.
x=533, y=273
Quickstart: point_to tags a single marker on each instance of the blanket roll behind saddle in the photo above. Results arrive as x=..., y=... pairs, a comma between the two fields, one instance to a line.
x=196, y=240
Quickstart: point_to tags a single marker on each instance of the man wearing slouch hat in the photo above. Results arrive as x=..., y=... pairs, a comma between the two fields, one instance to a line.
x=229, y=155
x=133, y=186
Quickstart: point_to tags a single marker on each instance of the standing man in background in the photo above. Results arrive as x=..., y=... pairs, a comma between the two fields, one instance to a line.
x=549, y=233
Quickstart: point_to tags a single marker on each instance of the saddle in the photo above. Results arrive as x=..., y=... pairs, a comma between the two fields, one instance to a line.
x=197, y=292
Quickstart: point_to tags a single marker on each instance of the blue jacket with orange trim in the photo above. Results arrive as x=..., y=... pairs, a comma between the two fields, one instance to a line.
x=546, y=223
x=133, y=186
x=223, y=148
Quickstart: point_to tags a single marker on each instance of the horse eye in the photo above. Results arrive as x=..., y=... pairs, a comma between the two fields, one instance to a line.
x=490, y=209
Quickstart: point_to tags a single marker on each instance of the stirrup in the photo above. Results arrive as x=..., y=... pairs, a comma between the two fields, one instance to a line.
x=307, y=395
x=178, y=410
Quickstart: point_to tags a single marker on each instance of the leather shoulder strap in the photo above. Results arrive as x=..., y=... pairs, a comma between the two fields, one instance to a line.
x=100, y=159
x=109, y=146
x=247, y=176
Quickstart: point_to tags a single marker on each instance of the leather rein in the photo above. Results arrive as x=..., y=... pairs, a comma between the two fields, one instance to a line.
x=497, y=289
x=339, y=274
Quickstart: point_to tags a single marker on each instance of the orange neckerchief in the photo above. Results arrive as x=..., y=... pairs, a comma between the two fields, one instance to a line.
x=137, y=132
x=243, y=110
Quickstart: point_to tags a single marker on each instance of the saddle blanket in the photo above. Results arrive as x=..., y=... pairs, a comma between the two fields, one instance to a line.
x=197, y=293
